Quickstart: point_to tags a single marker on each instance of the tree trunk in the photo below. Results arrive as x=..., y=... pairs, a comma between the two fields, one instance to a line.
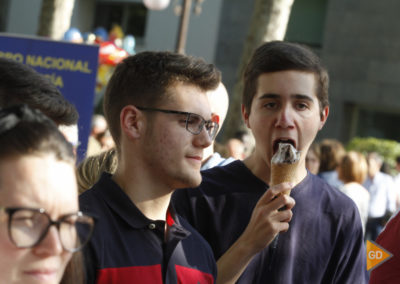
x=4, y=6
x=55, y=18
x=269, y=22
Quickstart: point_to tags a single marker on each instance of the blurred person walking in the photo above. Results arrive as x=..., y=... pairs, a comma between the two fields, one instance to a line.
x=98, y=129
x=332, y=152
x=382, y=192
x=313, y=158
x=236, y=148
x=397, y=182
x=352, y=171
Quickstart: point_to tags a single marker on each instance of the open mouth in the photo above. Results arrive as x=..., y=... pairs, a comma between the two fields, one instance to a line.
x=277, y=141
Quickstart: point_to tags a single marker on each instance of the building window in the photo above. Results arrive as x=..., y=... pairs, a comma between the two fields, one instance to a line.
x=307, y=22
x=379, y=124
x=131, y=17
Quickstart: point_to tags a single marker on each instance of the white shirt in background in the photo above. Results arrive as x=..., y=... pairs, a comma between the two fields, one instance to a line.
x=382, y=195
x=360, y=196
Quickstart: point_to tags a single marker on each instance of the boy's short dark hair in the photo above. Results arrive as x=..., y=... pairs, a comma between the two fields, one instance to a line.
x=144, y=79
x=20, y=84
x=278, y=56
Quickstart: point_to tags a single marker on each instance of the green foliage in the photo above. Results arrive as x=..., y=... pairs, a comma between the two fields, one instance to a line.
x=388, y=149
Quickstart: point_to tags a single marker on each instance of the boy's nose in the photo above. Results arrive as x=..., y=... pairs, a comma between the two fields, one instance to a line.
x=285, y=118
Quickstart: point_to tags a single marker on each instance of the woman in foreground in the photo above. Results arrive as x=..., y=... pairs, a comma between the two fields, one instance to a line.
x=40, y=223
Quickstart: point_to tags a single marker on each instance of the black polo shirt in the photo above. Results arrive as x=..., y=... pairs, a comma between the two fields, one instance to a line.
x=127, y=247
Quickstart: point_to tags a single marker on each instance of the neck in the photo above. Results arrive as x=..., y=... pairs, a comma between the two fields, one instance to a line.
x=147, y=192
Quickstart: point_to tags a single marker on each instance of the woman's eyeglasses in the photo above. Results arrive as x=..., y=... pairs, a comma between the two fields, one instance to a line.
x=27, y=227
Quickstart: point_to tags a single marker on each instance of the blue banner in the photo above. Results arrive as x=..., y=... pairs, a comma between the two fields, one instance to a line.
x=71, y=67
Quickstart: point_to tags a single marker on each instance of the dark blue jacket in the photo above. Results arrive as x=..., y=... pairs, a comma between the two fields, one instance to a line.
x=324, y=243
x=126, y=247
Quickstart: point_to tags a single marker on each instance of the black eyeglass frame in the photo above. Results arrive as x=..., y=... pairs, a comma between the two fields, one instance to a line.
x=12, y=210
x=204, y=122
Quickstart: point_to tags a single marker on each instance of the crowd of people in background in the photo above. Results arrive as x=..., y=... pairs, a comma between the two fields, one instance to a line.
x=365, y=178
x=362, y=177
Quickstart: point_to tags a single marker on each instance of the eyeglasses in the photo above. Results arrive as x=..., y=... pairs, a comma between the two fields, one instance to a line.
x=194, y=123
x=27, y=227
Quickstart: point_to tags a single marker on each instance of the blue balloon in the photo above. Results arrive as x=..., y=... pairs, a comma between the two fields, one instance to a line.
x=129, y=44
x=101, y=33
x=72, y=34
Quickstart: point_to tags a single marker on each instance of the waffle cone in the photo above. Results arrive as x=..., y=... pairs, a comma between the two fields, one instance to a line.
x=283, y=173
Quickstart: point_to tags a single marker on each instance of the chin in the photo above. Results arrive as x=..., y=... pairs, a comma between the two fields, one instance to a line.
x=189, y=181
x=195, y=183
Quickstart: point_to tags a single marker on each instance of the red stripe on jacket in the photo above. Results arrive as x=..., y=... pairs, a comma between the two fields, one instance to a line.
x=134, y=274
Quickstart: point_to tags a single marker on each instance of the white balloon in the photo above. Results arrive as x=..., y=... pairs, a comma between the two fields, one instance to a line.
x=156, y=4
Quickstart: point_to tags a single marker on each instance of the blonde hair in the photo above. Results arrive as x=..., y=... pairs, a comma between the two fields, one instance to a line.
x=353, y=167
x=90, y=169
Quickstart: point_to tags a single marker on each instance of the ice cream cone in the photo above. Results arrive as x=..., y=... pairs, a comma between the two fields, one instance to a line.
x=284, y=165
x=283, y=173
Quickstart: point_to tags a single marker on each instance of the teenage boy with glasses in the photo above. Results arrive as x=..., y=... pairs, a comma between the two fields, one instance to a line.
x=158, y=114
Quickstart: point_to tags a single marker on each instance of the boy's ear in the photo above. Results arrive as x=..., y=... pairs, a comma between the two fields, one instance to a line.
x=131, y=121
x=324, y=117
x=245, y=116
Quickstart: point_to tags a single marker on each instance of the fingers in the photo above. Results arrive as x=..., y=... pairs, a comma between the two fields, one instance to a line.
x=280, y=188
x=271, y=196
x=284, y=227
x=279, y=207
x=274, y=191
x=281, y=201
x=266, y=220
x=283, y=216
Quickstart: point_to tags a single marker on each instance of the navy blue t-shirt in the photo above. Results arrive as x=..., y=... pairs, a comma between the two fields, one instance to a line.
x=324, y=243
x=127, y=247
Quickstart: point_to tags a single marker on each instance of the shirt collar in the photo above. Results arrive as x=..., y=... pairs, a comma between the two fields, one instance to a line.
x=120, y=203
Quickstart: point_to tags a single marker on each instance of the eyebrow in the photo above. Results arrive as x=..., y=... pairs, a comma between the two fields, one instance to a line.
x=296, y=96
